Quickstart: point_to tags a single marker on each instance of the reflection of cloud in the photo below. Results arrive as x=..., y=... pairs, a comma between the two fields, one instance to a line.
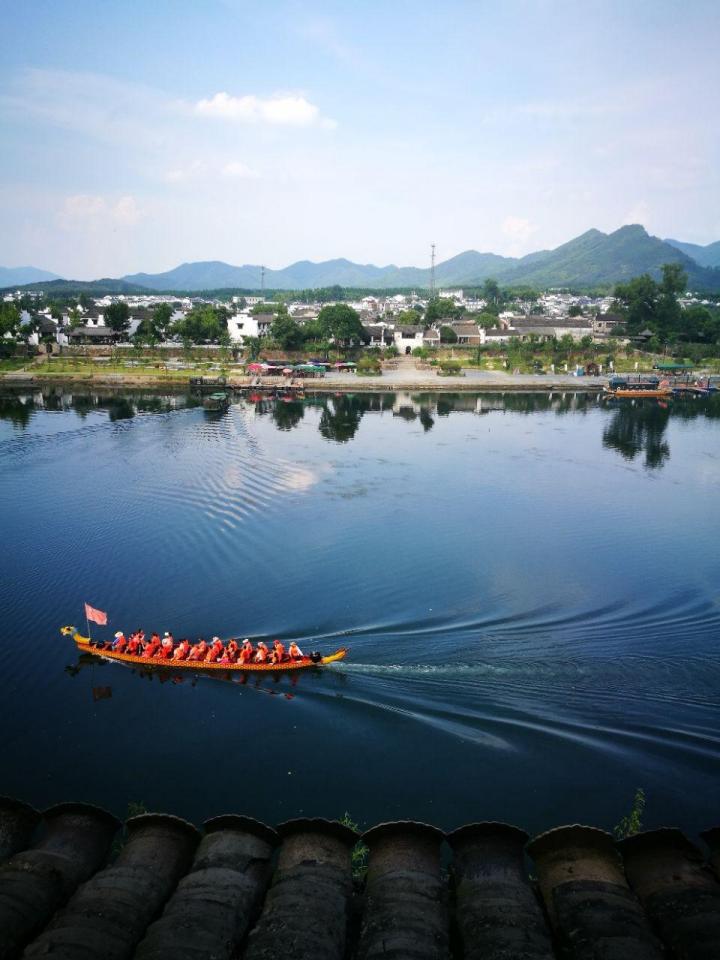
x=299, y=479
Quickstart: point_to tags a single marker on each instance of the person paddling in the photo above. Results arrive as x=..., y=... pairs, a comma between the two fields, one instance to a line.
x=246, y=652
x=262, y=653
x=294, y=652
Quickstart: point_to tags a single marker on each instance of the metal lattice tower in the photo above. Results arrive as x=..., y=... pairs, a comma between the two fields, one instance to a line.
x=432, y=270
x=262, y=281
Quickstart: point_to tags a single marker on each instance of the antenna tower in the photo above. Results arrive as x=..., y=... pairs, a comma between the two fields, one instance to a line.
x=432, y=271
x=262, y=281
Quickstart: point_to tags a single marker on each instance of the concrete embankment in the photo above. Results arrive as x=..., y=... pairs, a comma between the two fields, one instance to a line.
x=420, y=382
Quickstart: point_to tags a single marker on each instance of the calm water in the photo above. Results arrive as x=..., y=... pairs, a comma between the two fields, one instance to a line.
x=530, y=588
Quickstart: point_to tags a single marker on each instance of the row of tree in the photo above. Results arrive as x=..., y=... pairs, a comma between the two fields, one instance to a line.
x=647, y=304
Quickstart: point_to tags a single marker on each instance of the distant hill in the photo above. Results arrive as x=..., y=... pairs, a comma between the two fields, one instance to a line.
x=20, y=276
x=708, y=256
x=94, y=288
x=305, y=275
x=593, y=259
x=596, y=258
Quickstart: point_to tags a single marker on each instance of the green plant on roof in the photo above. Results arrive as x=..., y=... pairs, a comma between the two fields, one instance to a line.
x=632, y=823
x=360, y=850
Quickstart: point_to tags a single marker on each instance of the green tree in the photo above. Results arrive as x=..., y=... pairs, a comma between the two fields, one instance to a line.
x=286, y=332
x=9, y=321
x=146, y=333
x=253, y=346
x=162, y=320
x=408, y=318
x=117, y=317
x=575, y=310
x=341, y=322
x=441, y=308
x=637, y=301
x=673, y=283
x=201, y=325
x=487, y=320
x=491, y=291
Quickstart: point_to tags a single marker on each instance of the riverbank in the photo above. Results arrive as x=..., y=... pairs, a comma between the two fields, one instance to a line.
x=475, y=381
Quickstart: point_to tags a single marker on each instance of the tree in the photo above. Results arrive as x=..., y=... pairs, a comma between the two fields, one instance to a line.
x=491, y=291
x=575, y=310
x=286, y=332
x=162, y=320
x=487, y=320
x=408, y=318
x=673, y=283
x=146, y=333
x=201, y=325
x=117, y=317
x=441, y=308
x=9, y=320
x=341, y=322
x=637, y=299
x=253, y=345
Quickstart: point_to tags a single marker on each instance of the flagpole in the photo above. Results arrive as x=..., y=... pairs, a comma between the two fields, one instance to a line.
x=87, y=624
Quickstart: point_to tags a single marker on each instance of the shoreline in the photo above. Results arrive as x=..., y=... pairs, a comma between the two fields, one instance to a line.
x=489, y=383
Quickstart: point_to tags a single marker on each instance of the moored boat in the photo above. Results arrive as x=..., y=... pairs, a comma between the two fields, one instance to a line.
x=216, y=402
x=643, y=387
x=85, y=645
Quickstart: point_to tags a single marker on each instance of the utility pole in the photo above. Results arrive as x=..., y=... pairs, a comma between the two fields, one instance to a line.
x=432, y=271
x=262, y=282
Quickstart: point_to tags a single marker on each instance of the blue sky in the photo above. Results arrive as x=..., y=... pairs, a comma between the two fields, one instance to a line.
x=136, y=135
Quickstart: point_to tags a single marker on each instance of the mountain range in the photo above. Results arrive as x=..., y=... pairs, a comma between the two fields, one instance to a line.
x=592, y=259
x=20, y=276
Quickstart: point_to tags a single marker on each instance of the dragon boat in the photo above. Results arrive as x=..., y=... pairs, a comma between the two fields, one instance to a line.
x=85, y=645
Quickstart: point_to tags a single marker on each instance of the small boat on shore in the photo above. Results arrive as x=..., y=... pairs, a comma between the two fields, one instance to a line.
x=652, y=388
x=85, y=645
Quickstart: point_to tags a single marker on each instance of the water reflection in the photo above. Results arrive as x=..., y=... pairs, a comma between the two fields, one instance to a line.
x=639, y=427
x=633, y=428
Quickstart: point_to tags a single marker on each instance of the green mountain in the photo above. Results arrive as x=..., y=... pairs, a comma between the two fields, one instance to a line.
x=94, y=288
x=305, y=275
x=590, y=260
x=596, y=258
x=708, y=256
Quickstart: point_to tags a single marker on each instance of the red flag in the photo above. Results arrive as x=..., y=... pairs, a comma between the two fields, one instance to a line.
x=97, y=616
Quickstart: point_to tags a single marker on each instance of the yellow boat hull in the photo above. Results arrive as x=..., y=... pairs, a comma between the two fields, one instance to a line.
x=83, y=644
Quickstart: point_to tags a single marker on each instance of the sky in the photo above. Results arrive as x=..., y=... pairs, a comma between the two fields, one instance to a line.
x=137, y=135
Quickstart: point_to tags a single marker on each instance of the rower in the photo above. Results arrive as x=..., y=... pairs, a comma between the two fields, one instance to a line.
x=182, y=650
x=120, y=642
x=199, y=650
x=246, y=651
x=215, y=650
x=278, y=654
x=262, y=653
x=133, y=645
x=294, y=652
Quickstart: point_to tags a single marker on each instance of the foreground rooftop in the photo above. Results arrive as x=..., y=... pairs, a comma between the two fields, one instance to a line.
x=76, y=883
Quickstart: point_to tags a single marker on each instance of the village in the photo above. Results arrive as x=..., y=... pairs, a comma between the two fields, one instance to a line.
x=384, y=319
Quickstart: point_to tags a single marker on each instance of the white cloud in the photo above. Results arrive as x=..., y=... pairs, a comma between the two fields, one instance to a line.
x=91, y=210
x=238, y=170
x=287, y=110
x=206, y=170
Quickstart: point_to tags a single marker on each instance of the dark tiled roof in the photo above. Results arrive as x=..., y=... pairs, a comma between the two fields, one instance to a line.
x=166, y=891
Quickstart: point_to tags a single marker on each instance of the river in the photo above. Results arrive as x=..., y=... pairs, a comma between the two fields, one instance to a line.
x=529, y=587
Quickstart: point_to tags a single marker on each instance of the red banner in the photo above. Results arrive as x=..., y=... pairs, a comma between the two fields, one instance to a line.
x=97, y=616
